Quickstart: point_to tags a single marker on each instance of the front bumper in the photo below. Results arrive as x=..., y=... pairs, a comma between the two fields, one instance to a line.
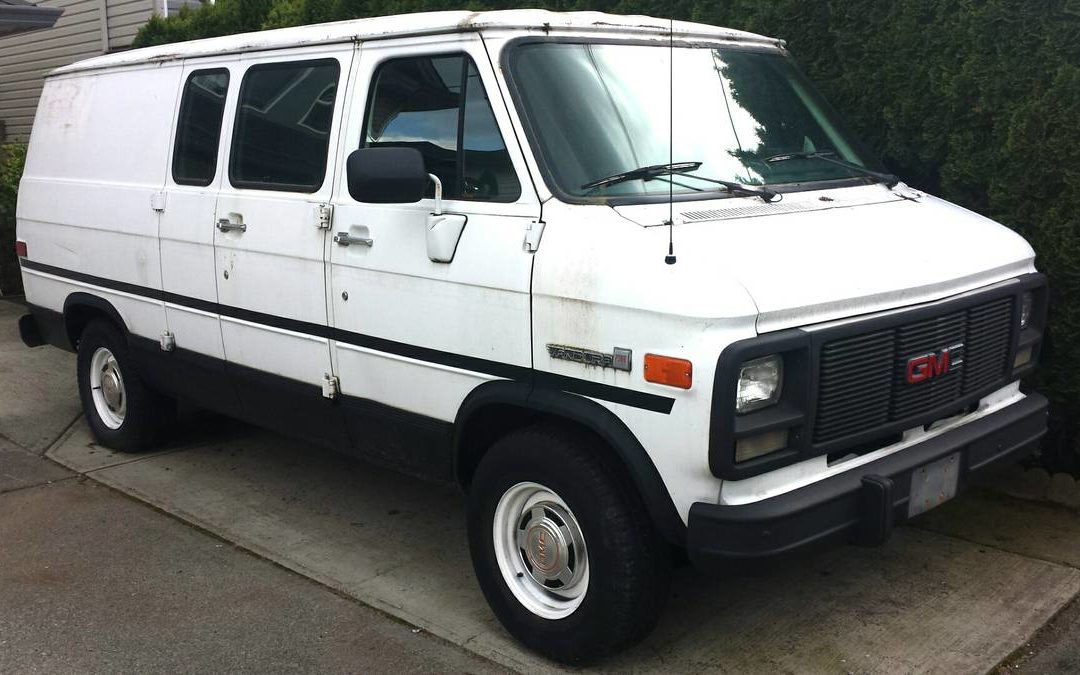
x=860, y=505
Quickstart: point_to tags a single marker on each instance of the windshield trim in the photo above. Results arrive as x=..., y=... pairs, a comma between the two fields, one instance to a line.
x=507, y=62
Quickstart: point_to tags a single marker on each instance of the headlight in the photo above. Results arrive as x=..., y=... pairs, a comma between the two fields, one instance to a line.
x=1026, y=303
x=760, y=381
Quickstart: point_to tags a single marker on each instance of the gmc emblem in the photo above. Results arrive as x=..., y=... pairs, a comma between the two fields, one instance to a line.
x=928, y=366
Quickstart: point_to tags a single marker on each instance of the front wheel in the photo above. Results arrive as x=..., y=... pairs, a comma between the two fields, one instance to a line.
x=562, y=546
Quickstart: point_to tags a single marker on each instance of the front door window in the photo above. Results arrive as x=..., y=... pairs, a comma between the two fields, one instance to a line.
x=438, y=105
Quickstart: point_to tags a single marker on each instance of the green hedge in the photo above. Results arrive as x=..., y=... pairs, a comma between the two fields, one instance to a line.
x=12, y=157
x=977, y=101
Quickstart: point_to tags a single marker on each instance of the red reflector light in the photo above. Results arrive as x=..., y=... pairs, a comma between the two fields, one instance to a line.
x=670, y=371
x=20, y=249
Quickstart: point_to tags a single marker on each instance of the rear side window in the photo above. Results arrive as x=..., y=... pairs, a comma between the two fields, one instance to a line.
x=438, y=105
x=198, y=128
x=283, y=124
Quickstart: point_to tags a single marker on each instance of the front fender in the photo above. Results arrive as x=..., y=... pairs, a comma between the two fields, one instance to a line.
x=525, y=402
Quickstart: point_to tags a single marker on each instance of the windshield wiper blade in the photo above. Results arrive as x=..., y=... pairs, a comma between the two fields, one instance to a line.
x=890, y=180
x=655, y=171
x=643, y=173
x=740, y=190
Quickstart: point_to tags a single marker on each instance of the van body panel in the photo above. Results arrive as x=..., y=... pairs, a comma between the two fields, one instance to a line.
x=865, y=249
x=423, y=24
x=607, y=286
x=91, y=171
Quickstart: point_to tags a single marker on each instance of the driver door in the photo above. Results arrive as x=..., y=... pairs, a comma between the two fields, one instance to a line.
x=425, y=306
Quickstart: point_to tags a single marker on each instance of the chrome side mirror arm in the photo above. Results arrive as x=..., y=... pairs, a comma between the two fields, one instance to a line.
x=438, y=193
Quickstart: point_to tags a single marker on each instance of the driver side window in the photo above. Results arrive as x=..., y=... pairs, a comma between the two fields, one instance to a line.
x=438, y=105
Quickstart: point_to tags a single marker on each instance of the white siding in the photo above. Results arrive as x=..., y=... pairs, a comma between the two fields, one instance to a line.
x=78, y=34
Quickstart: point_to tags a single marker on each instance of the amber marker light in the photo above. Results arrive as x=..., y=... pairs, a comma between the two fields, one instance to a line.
x=670, y=371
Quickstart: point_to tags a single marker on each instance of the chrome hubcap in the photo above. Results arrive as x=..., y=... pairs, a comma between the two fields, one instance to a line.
x=541, y=550
x=107, y=388
x=110, y=388
x=548, y=546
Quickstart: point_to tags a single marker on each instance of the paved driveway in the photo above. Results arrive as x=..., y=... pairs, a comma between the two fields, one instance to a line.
x=959, y=592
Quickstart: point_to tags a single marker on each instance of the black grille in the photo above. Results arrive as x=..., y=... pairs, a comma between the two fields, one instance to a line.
x=862, y=379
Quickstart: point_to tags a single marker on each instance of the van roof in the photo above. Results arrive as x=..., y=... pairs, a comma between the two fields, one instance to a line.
x=427, y=23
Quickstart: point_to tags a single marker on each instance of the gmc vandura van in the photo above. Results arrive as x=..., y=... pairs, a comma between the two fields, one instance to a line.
x=633, y=286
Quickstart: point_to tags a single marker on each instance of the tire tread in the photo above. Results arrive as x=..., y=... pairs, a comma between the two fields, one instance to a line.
x=636, y=559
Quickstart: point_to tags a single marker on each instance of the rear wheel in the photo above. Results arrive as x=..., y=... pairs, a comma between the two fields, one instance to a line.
x=123, y=413
x=562, y=546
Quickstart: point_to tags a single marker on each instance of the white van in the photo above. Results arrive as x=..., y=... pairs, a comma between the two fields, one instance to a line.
x=471, y=246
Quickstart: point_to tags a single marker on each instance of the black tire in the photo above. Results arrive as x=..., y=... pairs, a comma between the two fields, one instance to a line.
x=628, y=562
x=148, y=414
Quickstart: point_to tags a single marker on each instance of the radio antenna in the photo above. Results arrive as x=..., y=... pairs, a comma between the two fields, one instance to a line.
x=670, y=257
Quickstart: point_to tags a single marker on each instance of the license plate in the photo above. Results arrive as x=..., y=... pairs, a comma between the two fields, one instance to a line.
x=933, y=484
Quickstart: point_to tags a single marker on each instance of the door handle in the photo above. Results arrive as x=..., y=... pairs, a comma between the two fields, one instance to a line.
x=226, y=225
x=346, y=239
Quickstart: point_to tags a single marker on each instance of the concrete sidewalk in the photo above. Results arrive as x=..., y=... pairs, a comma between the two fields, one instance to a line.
x=960, y=592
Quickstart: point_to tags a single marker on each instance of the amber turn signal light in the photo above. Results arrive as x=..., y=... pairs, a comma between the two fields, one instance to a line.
x=670, y=371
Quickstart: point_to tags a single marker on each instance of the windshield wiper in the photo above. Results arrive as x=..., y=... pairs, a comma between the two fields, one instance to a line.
x=647, y=173
x=643, y=173
x=890, y=180
x=740, y=190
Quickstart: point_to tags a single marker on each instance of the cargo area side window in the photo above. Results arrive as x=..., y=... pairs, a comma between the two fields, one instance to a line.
x=283, y=124
x=198, y=127
x=438, y=105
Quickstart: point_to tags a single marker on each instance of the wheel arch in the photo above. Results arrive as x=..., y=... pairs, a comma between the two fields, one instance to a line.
x=82, y=308
x=496, y=408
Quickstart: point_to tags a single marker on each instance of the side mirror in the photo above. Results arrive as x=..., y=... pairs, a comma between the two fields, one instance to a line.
x=386, y=175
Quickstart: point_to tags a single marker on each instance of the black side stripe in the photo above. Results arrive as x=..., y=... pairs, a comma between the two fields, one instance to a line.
x=605, y=392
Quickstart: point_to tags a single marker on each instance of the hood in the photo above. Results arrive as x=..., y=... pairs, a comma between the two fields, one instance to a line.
x=824, y=255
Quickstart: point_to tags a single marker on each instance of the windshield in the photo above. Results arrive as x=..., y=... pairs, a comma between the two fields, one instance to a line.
x=748, y=117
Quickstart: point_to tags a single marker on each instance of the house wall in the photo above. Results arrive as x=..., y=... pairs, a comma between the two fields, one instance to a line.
x=86, y=28
x=126, y=17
